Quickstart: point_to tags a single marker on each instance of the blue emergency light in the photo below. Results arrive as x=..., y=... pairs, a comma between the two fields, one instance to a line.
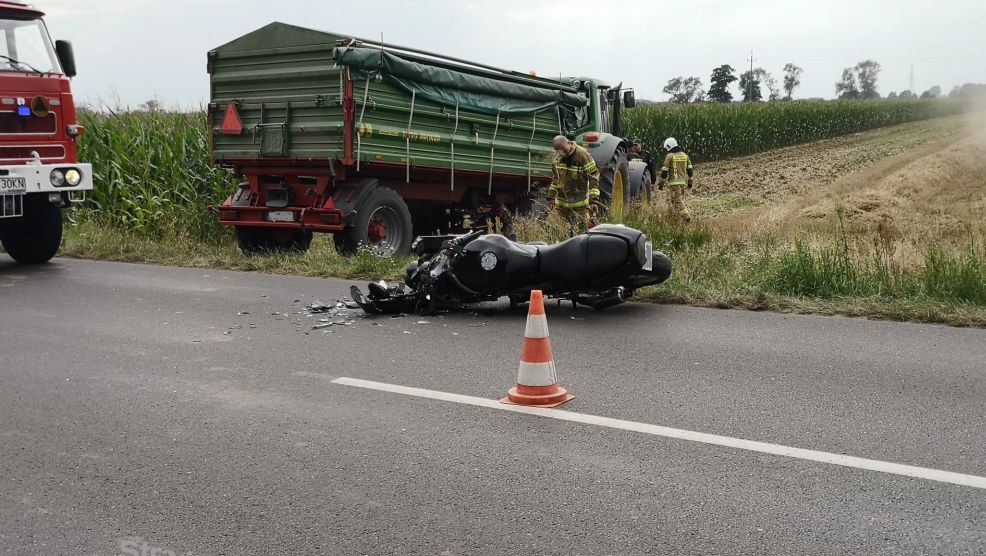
x=23, y=110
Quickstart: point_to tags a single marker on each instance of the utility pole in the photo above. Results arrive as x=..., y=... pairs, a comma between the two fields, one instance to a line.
x=749, y=81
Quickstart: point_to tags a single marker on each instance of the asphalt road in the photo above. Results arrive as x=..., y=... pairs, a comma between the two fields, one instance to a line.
x=140, y=411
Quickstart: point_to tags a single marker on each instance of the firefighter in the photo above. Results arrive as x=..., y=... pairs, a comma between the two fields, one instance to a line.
x=676, y=173
x=638, y=152
x=575, y=184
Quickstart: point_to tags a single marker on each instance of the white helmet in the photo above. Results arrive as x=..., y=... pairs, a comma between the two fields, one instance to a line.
x=670, y=143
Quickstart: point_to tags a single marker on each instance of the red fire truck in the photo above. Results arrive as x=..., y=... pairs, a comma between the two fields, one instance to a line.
x=39, y=169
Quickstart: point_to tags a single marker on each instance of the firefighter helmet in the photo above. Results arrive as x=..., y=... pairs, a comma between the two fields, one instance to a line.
x=670, y=143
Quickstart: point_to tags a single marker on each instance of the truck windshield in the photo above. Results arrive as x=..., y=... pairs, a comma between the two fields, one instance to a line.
x=26, y=42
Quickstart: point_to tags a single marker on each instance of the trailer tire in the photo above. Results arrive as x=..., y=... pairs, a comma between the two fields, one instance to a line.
x=382, y=225
x=614, y=184
x=255, y=240
x=35, y=237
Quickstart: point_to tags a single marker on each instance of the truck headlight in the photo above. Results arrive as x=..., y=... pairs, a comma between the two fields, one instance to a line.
x=57, y=178
x=73, y=177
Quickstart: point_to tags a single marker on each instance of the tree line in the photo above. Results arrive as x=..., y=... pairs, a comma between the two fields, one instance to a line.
x=857, y=82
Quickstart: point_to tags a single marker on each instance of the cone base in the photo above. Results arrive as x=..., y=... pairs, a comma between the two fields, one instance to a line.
x=544, y=400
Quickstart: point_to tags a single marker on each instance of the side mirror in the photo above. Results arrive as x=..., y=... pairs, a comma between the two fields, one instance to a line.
x=629, y=99
x=66, y=57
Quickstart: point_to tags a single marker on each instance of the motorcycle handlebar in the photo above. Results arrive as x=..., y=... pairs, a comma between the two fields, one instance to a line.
x=463, y=240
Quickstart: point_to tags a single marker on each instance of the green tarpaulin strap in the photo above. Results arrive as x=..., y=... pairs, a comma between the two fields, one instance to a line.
x=452, y=147
x=359, y=126
x=530, y=145
x=492, y=150
x=407, y=138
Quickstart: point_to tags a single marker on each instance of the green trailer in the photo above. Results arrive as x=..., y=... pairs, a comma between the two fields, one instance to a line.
x=379, y=143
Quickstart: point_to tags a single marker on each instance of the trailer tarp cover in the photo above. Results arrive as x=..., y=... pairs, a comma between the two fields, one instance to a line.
x=453, y=88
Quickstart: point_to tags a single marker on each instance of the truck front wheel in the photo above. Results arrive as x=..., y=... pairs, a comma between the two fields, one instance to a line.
x=382, y=225
x=35, y=237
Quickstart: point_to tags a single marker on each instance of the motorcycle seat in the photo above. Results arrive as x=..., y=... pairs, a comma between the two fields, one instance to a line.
x=582, y=258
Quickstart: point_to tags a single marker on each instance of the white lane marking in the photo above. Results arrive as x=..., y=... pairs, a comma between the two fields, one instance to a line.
x=705, y=438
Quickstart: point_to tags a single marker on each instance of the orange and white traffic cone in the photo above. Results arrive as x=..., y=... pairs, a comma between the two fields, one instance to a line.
x=537, y=380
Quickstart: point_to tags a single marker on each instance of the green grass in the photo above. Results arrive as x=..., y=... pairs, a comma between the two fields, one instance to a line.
x=724, y=204
x=90, y=239
x=820, y=275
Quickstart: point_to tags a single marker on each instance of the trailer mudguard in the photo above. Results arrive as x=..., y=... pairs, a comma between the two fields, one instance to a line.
x=347, y=197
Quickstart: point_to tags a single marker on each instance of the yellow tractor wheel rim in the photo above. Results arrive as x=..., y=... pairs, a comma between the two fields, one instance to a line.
x=616, y=203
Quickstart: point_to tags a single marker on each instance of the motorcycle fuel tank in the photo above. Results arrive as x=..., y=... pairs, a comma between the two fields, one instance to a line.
x=494, y=263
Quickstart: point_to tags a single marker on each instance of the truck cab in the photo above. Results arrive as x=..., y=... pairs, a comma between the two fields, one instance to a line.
x=39, y=133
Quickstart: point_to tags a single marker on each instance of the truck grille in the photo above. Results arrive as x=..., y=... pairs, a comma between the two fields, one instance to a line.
x=11, y=206
x=24, y=152
x=11, y=122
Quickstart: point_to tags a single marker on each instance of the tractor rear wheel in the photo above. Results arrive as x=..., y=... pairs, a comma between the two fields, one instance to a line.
x=614, y=182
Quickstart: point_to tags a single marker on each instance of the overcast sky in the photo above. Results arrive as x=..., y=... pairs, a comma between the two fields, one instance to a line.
x=129, y=51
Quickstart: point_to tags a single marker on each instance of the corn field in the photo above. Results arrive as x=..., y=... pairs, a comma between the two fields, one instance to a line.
x=710, y=132
x=152, y=172
x=153, y=175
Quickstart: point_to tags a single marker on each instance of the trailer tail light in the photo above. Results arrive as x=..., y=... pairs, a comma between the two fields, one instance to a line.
x=330, y=218
x=229, y=215
x=591, y=137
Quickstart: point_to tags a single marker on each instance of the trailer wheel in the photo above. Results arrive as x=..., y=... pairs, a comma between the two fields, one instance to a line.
x=614, y=183
x=382, y=225
x=35, y=237
x=255, y=240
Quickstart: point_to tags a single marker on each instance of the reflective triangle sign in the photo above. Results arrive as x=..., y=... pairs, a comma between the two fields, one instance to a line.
x=232, y=124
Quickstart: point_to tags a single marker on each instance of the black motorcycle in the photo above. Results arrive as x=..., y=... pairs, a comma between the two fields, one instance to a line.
x=600, y=268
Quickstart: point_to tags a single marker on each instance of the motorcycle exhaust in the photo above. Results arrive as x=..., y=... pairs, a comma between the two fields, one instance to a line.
x=600, y=302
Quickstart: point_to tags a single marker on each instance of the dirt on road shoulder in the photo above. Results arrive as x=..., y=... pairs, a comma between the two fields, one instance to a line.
x=915, y=185
x=775, y=176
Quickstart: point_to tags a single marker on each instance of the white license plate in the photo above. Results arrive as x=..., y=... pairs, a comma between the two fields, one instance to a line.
x=280, y=216
x=649, y=256
x=9, y=186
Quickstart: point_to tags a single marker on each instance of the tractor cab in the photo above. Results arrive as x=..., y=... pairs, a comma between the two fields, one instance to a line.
x=606, y=104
